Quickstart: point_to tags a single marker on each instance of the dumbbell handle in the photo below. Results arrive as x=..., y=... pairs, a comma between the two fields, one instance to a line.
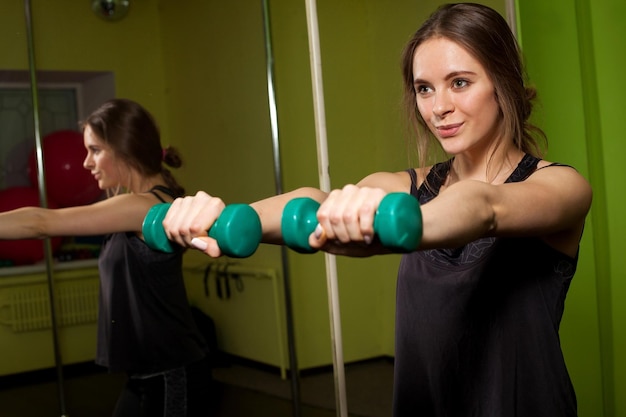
x=397, y=223
x=237, y=230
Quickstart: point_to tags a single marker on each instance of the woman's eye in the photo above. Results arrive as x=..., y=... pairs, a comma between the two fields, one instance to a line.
x=422, y=89
x=460, y=83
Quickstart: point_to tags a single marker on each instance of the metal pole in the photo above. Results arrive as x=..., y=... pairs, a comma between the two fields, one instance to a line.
x=293, y=361
x=324, y=174
x=43, y=199
x=511, y=15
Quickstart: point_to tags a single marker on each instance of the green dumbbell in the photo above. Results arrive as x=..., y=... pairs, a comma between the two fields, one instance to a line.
x=397, y=223
x=237, y=230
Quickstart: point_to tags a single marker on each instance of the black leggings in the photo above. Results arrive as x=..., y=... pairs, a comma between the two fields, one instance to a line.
x=180, y=392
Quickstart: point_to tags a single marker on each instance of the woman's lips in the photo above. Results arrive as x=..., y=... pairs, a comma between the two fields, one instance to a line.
x=448, y=130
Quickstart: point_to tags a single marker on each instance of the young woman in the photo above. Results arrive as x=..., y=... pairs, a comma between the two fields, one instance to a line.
x=480, y=302
x=145, y=325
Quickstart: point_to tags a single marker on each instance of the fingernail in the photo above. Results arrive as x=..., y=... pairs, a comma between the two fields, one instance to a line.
x=199, y=244
x=367, y=239
x=318, y=231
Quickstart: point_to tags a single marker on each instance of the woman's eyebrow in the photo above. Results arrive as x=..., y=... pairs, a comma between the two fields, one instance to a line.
x=449, y=76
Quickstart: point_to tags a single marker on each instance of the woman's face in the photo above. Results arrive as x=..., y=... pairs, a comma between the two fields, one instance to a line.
x=455, y=96
x=101, y=161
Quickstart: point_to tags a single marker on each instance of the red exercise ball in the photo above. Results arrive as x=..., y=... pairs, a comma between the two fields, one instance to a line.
x=68, y=183
x=27, y=251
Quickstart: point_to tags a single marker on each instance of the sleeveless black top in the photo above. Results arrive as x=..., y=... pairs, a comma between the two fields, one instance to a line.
x=145, y=324
x=477, y=327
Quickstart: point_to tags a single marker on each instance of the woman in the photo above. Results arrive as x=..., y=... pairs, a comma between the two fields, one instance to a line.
x=480, y=302
x=145, y=325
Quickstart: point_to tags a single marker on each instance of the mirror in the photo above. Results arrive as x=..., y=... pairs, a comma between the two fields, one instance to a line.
x=82, y=60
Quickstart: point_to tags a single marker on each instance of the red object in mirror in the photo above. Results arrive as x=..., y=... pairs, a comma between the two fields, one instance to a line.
x=68, y=183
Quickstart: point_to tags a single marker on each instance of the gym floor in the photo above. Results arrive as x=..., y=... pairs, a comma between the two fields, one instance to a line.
x=241, y=389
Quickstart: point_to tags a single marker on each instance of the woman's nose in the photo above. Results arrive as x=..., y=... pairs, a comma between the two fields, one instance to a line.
x=443, y=105
x=87, y=163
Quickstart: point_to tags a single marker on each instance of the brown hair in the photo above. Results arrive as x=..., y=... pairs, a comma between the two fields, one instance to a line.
x=485, y=34
x=134, y=136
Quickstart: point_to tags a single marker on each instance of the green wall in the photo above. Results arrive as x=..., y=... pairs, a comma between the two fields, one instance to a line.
x=68, y=36
x=575, y=55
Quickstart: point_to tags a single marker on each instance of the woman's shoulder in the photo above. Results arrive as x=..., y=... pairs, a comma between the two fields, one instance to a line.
x=563, y=177
x=389, y=181
x=542, y=163
x=549, y=168
x=436, y=172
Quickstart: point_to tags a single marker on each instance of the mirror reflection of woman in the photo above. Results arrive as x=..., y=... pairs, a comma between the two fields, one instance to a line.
x=145, y=325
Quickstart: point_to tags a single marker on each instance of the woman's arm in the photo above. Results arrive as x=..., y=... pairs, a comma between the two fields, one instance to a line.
x=123, y=213
x=552, y=204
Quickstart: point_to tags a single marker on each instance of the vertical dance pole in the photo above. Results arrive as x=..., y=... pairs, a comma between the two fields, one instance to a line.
x=511, y=15
x=43, y=199
x=323, y=168
x=291, y=340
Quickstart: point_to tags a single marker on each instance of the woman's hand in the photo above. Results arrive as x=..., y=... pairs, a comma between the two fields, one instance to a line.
x=346, y=221
x=188, y=220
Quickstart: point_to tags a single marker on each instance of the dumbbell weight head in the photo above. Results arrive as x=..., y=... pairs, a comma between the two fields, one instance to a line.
x=398, y=222
x=237, y=230
x=298, y=221
x=152, y=228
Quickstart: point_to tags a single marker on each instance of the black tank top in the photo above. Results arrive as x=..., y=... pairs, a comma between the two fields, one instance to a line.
x=477, y=326
x=145, y=324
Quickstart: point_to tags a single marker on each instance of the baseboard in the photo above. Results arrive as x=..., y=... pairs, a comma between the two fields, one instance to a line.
x=229, y=360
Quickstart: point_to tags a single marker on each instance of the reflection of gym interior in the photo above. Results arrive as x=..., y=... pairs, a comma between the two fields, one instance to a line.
x=230, y=86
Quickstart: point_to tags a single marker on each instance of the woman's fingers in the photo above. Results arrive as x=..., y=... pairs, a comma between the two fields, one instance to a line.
x=207, y=245
x=347, y=215
x=191, y=217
